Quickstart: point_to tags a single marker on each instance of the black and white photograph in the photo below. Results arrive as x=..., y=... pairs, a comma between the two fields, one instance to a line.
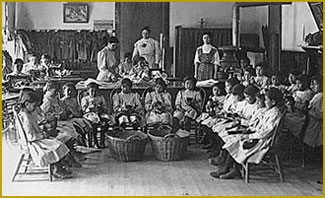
x=162, y=98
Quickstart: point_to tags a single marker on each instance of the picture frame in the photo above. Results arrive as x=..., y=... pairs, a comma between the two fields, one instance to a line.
x=75, y=13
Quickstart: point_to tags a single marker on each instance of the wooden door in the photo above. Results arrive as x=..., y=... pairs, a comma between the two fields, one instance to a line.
x=131, y=17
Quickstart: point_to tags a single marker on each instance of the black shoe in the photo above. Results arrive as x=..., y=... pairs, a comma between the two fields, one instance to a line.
x=219, y=172
x=219, y=160
x=61, y=175
x=232, y=174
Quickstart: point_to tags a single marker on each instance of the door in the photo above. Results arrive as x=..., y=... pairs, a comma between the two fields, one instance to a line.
x=131, y=17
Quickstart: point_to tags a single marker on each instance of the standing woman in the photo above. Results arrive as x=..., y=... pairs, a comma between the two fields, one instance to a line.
x=206, y=59
x=148, y=48
x=108, y=61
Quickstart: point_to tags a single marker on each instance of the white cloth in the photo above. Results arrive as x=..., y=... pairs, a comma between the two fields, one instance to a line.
x=107, y=61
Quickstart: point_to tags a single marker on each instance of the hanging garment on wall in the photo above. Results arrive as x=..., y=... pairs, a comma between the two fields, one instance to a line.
x=83, y=46
x=94, y=47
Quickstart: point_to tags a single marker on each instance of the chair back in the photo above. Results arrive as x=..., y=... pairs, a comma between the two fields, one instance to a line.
x=203, y=96
x=277, y=131
x=113, y=92
x=144, y=94
x=22, y=136
x=81, y=94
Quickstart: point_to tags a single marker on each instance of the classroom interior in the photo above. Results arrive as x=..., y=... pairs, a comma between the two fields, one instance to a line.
x=283, y=37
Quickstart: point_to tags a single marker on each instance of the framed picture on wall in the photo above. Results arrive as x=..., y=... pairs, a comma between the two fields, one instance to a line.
x=75, y=13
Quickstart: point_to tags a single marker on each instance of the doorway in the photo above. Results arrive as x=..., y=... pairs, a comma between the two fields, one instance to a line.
x=131, y=17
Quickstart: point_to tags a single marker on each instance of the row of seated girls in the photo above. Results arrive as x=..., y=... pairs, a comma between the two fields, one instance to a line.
x=50, y=142
x=241, y=122
x=74, y=121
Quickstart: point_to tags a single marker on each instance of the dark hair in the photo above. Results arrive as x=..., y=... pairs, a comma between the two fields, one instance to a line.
x=127, y=55
x=303, y=79
x=319, y=80
x=191, y=78
x=207, y=33
x=68, y=85
x=45, y=56
x=246, y=59
x=18, y=60
x=112, y=39
x=126, y=82
x=251, y=90
x=238, y=90
x=232, y=81
x=146, y=28
x=24, y=91
x=92, y=85
x=263, y=65
x=160, y=81
x=51, y=85
x=276, y=95
x=72, y=87
x=29, y=96
x=221, y=87
x=250, y=70
x=139, y=59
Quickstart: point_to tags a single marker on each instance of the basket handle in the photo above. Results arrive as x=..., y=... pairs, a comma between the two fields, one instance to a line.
x=133, y=137
x=164, y=126
x=171, y=135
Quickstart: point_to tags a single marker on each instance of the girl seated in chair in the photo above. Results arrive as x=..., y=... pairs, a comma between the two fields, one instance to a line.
x=255, y=140
x=95, y=109
x=74, y=113
x=188, y=104
x=158, y=104
x=127, y=106
x=44, y=149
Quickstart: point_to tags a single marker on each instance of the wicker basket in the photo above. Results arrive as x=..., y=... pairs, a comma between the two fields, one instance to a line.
x=167, y=146
x=127, y=146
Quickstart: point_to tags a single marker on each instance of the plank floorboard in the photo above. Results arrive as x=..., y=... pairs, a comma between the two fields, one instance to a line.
x=101, y=175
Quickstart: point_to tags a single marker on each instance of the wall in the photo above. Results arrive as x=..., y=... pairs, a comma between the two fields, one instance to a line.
x=189, y=14
x=49, y=15
x=295, y=18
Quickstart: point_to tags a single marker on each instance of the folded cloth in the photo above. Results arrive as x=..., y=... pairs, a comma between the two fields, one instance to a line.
x=206, y=83
x=182, y=133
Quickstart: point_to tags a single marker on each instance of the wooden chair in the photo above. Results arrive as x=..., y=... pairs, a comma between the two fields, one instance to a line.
x=271, y=157
x=196, y=126
x=25, y=160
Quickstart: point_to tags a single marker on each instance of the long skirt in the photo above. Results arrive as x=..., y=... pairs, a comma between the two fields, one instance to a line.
x=240, y=155
x=153, y=117
x=294, y=123
x=205, y=71
x=67, y=131
x=47, y=151
x=314, y=133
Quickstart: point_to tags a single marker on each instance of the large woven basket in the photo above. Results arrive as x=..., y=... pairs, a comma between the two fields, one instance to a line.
x=167, y=146
x=127, y=146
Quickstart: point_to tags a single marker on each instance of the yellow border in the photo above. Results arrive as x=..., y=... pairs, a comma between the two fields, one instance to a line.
x=153, y=1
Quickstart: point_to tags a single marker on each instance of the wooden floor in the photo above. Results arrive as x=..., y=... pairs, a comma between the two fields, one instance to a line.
x=103, y=176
